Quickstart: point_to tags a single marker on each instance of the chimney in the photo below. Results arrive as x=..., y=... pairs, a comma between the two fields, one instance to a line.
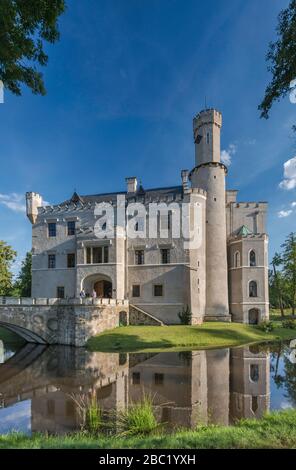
x=132, y=184
x=184, y=176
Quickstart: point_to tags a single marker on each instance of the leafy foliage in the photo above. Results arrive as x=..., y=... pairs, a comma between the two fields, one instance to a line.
x=266, y=326
x=185, y=316
x=23, y=283
x=281, y=56
x=7, y=256
x=291, y=324
x=24, y=26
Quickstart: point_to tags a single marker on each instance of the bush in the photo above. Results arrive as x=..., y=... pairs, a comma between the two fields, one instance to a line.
x=89, y=412
x=266, y=326
x=137, y=419
x=291, y=324
x=185, y=316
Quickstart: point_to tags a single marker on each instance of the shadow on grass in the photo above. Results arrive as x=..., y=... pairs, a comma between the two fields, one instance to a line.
x=204, y=337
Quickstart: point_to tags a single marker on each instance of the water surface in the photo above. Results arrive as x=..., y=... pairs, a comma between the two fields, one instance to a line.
x=37, y=384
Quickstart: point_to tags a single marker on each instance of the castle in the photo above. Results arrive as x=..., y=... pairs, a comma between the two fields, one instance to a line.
x=223, y=277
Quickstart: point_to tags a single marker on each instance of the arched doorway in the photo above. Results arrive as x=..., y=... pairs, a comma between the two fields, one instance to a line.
x=103, y=289
x=100, y=283
x=253, y=316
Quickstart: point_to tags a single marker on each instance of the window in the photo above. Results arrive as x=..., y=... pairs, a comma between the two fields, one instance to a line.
x=237, y=259
x=136, y=378
x=165, y=256
x=139, y=256
x=88, y=255
x=254, y=405
x=52, y=229
x=254, y=372
x=158, y=290
x=253, y=289
x=208, y=137
x=50, y=408
x=71, y=227
x=106, y=254
x=136, y=291
x=97, y=255
x=60, y=292
x=70, y=408
x=158, y=379
x=252, y=258
x=165, y=220
x=71, y=260
x=51, y=261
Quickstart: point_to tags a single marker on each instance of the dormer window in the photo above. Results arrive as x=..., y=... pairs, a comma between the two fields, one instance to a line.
x=71, y=227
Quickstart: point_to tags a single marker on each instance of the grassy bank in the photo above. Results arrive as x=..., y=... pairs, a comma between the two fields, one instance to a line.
x=208, y=335
x=276, y=430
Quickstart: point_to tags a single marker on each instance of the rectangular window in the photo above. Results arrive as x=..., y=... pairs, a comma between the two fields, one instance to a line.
x=60, y=292
x=71, y=260
x=158, y=290
x=88, y=255
x=136, y=378
x=50, y=408
x=139, y=256
x=165, y=255
x=106, y=254
x=71, y=227
x=208, y=137
x=52, y=229
x=158, y=379
x=97, y=254
x=51, y=261
x=136, y=290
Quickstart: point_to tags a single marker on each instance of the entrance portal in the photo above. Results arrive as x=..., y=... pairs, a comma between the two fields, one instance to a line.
x=103, y=289
x=253, y=316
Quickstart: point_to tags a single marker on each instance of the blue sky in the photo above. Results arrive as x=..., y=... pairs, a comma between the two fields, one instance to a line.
x=123, y=85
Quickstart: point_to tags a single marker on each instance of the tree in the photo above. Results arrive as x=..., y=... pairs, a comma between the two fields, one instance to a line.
x=282, y=58
x=24, y=26
x=276, y=262
x=289, y=267
x=24, y=280
x=7, y=256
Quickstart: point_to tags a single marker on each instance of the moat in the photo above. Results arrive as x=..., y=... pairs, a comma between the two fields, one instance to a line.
x=37, y=384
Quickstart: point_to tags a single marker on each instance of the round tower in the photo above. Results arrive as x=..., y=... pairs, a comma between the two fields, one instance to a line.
x=209, y=175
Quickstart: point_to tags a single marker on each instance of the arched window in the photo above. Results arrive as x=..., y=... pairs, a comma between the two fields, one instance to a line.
x=252, y=258
x=237, y=259
x=253, y=289
x=254, y=372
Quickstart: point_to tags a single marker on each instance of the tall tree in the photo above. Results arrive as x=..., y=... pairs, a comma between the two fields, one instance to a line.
x=23, y=283
x=289, y=267
x=7, y=256
x=281, y=57
x=24, y=27
x=276, y=262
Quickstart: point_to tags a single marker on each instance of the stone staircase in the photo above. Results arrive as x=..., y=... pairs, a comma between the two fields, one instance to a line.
x=137, y=316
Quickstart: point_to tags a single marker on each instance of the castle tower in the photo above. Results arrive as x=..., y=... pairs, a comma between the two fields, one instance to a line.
x=33, y=201
x=209, y=175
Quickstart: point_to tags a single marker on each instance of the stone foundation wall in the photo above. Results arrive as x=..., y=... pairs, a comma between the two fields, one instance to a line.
x=139, y=317
x=61, y=323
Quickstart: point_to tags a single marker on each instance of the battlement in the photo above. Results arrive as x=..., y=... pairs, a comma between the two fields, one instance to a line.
x=207, y=116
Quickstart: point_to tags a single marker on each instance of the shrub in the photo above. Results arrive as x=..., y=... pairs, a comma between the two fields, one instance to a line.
x=89, y=412
x=266, y=326
x=185, y=316
x=291, y=324
x=137, y=419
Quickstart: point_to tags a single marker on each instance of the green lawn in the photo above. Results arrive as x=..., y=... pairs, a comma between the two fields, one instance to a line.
x=276, y=430
x=207, y=335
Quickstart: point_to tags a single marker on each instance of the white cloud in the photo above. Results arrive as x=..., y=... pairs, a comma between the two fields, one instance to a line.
x=293, y=204
x=289, y=181
x=14, y=201
x=226, y=155
x=283, y=214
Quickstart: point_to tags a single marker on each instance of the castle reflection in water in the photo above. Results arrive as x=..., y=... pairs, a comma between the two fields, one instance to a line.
x=188, y=388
